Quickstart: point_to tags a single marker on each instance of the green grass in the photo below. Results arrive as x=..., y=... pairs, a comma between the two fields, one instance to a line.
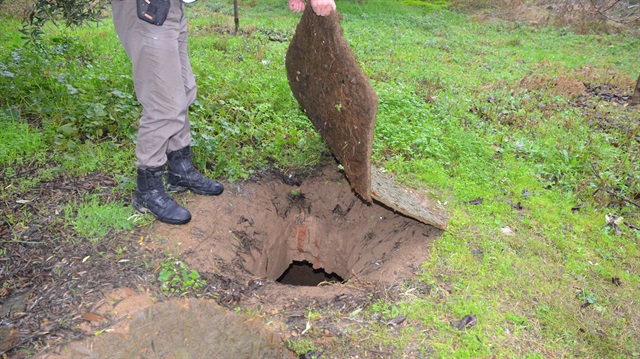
x=467, y=109
x=94, y=217
x=20, y=143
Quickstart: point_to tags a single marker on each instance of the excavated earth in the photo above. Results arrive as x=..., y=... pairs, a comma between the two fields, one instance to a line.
x=275, y=246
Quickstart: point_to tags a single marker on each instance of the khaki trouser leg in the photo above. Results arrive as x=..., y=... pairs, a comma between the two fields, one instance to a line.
x=163, y=79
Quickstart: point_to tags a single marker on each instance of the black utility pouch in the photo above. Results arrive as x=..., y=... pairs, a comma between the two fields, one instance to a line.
x=153, y=11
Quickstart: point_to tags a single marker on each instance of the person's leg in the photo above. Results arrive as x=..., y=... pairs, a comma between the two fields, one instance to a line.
x=157, y=72
x=159, y=75
x=182, y=138
x=182, y=175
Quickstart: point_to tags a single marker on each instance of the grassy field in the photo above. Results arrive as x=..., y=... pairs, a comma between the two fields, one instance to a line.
x=522, y=131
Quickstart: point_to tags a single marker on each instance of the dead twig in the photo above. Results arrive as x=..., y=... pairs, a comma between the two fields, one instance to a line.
x=635, y=98
x=602, y=11
x=610, y=190
x=607, y=8
x=25, y=340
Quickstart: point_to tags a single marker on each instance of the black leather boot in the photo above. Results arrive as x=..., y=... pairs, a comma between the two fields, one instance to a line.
x=182, y=175
x=150, y=196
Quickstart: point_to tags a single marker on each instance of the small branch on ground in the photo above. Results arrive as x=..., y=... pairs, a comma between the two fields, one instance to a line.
x=635, y=98
x=628, y=14
x=610, y=190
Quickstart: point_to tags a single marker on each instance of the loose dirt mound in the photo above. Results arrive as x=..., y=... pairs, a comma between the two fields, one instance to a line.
x=190, y=328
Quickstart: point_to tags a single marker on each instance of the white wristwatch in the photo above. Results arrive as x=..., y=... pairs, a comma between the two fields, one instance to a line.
x=188, y=1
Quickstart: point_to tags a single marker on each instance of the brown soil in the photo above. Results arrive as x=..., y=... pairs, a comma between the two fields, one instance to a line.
x=178, y=328
x=335, y=94
x=557, y=85
x=257, y=229
x=240, y=242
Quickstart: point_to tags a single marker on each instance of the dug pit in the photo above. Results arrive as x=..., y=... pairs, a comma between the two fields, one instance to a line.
x=314, y=231
x=274, y=246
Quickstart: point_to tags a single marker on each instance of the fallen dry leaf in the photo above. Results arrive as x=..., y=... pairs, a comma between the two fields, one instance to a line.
x=397, y=320
x=516, y=206
x=507, y=231
x=476, y=201
x=468, y=321
x=91, y=317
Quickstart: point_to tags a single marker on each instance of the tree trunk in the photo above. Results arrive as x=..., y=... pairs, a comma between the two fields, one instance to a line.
x=635, y=98
x=236, y=20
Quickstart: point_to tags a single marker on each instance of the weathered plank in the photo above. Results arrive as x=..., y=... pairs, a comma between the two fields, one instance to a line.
x=407, y=202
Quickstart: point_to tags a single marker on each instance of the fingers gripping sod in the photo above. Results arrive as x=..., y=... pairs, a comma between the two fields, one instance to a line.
x=320, y=7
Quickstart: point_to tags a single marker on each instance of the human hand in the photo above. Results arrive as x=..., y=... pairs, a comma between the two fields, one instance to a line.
x=322, y=7
x=296, y=5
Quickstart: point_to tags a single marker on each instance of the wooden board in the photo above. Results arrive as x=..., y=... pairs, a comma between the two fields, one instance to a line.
x=407, y=202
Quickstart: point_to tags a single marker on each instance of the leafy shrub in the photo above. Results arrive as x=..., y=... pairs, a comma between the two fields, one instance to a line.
x=73, y=94
x=176, y=278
